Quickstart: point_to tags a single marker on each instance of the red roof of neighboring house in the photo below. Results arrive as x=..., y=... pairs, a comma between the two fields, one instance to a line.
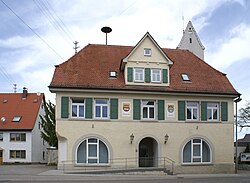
x=89, y=69
x=12, y=104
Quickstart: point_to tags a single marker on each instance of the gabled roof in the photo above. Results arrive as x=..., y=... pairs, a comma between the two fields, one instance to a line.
x=147, y=35
x=12, y=104
x=245, y=139
x=89, y=69
x=190, y=25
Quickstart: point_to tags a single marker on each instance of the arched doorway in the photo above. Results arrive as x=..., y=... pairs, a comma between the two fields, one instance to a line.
x=148, y=152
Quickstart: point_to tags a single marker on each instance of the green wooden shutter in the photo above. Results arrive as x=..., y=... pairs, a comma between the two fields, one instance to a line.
x=203, y=111
x=64, y=107
x=147, y=75
x=224, y=111
x=165, y=75
x=113, y=108
x=181, y=111
x=161, y=110
x=130, y=74
x=136, y=109
x=89, y=108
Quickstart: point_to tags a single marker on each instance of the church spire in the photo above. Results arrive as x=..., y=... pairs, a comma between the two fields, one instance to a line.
x=191, y=41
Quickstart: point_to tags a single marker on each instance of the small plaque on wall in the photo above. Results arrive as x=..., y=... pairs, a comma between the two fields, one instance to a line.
x=170, y=110
x=126, y=109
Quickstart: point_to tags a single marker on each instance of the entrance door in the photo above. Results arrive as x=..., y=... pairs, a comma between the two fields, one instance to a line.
x=1, y=157
x=148, y=151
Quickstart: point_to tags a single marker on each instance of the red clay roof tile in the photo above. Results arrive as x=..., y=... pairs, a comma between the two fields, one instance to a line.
x=90, y=68
x=12, y=104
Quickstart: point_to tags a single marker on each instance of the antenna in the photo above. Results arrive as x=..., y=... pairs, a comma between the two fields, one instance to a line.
x=106, y=30
x=14, y=87
x=183, y=23
x=75, y=48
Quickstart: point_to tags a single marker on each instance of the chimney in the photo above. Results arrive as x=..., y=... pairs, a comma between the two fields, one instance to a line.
x=25, y=93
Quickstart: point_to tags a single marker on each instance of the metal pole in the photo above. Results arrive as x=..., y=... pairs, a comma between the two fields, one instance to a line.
x=236, y=142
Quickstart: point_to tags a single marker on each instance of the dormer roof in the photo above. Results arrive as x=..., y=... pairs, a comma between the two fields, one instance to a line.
x=147, y=35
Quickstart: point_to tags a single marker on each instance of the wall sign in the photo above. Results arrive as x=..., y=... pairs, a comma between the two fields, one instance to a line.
x=170, y=110
x=126, y=108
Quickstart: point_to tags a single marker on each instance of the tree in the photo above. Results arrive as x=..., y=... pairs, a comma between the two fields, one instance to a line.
x=244, y=116
x=48, y=124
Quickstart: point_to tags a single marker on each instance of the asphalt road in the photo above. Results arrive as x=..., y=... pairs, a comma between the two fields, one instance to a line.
x=48, y=174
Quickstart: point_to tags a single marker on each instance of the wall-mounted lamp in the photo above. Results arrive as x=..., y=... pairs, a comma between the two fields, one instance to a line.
x=131, y=138
x=166, y=138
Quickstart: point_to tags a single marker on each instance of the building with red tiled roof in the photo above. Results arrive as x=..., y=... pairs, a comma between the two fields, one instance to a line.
x=20, y=131
x=144, y=106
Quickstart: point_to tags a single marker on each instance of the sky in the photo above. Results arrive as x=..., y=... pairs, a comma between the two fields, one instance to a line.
x=36, y=35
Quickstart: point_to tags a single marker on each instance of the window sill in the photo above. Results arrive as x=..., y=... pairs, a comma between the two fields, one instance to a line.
x=148, y=120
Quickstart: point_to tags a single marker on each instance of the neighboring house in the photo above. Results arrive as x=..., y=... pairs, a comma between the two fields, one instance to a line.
x=20, y=130
x=242, y=144
x=138, y=106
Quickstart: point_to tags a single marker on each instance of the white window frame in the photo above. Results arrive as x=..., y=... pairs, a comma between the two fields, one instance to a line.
x=147, y=52
x=102, y=105
x=142, y=74
x=192, y=108
x=155, y=75
x=212, y=109
x=15, y=136
x=15, y=153
x=148, y=109
x=185, y=77
x=201, y=152
x=97, y=152
x=78, y=105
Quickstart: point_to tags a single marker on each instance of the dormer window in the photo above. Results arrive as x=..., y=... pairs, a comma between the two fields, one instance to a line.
x=155, y=75
x=16, y=118
x=147, y=52
x=185, y=77
x=139, y=74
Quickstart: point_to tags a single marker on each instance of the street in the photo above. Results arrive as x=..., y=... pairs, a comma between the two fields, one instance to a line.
x=47, y=174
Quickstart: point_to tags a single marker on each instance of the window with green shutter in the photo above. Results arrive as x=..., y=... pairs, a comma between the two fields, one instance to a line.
x=147, y=75
x=136, y=109
x=161, y=110
x=165, y=75
x=203, y=111
x=181, y=111
x=89, y=108
x=130, y=74
x=113, y=108
x=224, y=111
x=64, y=107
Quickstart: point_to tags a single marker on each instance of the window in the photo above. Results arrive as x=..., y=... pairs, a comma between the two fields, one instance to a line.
x=147, y=52
x=139, y=74
x=18, y=137
x=17, y=154
x=101, y=108
x=92, y=151
x=156, y=75
x=185, y=77
x=112, y=74
x=16, y=118
x=1, y=136
x=196, y=151
x=148, y=109
x=192, y=110
x=78, y=108
x=212, y=111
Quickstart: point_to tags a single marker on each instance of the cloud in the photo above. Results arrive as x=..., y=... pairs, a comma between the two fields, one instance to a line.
x=233, y=49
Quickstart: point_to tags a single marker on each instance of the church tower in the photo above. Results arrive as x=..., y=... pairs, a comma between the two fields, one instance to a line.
x=190, y=41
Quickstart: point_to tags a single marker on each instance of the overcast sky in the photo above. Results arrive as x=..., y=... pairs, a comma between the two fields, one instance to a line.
x=35, y=35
